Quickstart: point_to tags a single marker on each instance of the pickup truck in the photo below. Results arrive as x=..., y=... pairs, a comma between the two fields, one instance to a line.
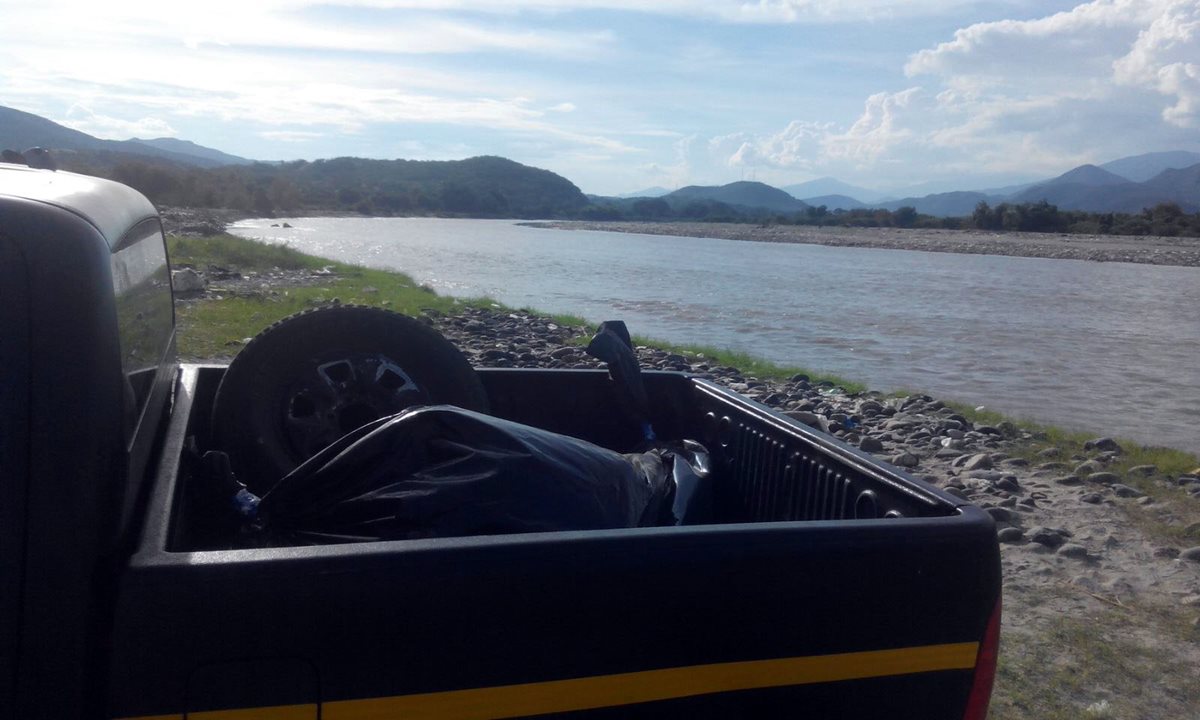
x=828, y=584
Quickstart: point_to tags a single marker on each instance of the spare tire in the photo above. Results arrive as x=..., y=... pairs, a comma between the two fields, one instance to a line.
x=311, y=378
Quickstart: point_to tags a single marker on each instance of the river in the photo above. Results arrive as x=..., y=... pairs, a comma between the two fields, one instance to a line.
x=1110, y=348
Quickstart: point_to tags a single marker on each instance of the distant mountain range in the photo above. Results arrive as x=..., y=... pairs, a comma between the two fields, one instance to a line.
x=178, y=172
x=1140, y=168
x=827, y=186
x=1125, y=185
x=745, y=194
x=21, y=130
x=650, y=192
x=197, y=154
x=835, y=202
x=1094, y=189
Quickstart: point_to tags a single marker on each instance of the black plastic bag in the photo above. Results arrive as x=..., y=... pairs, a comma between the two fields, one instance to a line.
x=441, y=471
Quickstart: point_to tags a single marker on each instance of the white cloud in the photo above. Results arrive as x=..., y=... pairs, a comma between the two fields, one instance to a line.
x=1166, y=58
x=82, y=118
x=884, y=124
x=756, y=11
x=1038, y=52
x=797, y=146
x=1020, y=96
x=290, y=136
x=282, y=64
x=1105, y=78
x=284, y=24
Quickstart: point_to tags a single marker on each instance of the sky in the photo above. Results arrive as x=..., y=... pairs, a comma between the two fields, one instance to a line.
x=620, y=95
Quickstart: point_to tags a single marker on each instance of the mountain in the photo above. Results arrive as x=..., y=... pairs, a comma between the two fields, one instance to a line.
x=744, y=193
x=1180, y=186
x=650, y=192
x=835, y=202
x=1008, y=190
x=187, y=147
x=476, y=187
x=951, y=204
x=487, y=186
x=1088, y=175
x=20, y=130
x=1085, y=188
x=1140, y=168
x=832, y=186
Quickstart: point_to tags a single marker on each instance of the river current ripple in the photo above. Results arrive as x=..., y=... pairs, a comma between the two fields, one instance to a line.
x=1111, y=348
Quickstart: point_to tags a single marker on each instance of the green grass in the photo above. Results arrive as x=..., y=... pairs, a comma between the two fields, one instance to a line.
x=235, y=252
x=1071, y=442
x=1173, y=509
x=1115, y=664
x=562, y=319
x=748, y=364
x=217, y=328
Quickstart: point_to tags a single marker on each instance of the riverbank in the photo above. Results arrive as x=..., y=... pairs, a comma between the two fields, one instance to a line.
x=1100, y=538
x=1151, y=250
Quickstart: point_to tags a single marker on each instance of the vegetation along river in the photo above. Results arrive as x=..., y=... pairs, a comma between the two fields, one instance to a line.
x=1112, y=348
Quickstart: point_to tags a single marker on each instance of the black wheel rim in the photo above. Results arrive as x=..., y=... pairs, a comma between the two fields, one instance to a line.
x=335, y=395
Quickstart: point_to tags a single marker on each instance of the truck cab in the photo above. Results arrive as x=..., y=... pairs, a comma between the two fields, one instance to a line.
x=827, y=584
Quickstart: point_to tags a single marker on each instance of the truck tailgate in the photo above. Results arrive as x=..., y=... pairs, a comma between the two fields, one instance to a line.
x=832, y=585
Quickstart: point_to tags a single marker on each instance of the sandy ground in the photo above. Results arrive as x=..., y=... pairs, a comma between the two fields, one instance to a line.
x=1152, y=250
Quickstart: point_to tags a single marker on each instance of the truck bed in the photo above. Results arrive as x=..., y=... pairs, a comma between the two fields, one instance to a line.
x=830, y=584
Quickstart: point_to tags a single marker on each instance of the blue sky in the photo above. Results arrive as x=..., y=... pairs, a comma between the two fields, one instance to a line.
x=619, y=95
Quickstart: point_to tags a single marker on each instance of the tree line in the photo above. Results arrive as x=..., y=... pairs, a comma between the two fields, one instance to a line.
x=1166, y=219
x=476, y=187
x=497, y=187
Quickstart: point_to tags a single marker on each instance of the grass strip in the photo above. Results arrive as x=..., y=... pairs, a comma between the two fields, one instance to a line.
x=1115, y=664
x=292, y=281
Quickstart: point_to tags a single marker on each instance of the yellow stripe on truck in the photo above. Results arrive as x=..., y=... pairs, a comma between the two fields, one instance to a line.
x=279, y=712
x=555, y=696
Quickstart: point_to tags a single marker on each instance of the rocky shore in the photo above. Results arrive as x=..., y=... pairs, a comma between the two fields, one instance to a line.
x=1152, y=250
x=200, y=222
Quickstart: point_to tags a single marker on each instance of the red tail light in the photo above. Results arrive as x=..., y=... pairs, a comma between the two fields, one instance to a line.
x=985, y=669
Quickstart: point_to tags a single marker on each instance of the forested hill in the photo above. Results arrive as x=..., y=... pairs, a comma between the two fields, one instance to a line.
x=744, y=193
x=476, y=187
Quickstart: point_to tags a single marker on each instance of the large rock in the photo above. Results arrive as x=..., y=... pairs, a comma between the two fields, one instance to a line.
x=980, y=461
x=810, y=419
x=1072, y=550
x=187, y=280
x=1104, y=444
x=870, y=444
x=1004, y=515
x=1047, y=537
x=1010, y=535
